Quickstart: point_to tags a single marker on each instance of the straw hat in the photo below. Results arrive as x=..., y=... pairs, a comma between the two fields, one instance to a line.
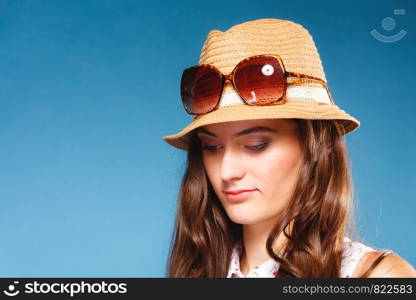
x=305, y=98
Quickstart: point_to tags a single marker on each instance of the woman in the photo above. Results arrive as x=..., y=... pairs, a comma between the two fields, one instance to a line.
x=267, y=188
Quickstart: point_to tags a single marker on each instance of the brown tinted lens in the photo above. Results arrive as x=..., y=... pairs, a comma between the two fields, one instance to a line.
x=260, y=80
x=200, y=89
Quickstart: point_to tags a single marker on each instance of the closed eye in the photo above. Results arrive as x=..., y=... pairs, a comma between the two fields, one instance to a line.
x=209, y=148
x=255, y=148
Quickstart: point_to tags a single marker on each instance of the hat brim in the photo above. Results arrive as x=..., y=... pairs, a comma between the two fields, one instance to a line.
x=289, y=110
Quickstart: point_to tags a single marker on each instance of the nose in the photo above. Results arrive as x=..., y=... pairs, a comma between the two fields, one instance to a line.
x=232, y=165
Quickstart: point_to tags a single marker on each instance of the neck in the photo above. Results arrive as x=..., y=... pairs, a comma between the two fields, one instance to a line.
x=254, y=244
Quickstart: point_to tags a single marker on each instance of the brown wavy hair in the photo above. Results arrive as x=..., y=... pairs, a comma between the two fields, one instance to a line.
x=320, y=214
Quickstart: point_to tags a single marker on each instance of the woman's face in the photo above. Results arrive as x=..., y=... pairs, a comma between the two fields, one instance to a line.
x=259, y=155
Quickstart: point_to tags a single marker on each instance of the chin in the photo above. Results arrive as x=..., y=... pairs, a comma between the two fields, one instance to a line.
x=242, y=217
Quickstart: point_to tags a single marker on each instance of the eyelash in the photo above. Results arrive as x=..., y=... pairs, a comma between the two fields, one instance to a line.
x=256, y=148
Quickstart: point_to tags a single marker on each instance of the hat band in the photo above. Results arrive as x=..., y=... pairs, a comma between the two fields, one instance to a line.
x=293, y=93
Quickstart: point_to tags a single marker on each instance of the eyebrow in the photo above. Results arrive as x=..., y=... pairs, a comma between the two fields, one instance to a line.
x=243, y=132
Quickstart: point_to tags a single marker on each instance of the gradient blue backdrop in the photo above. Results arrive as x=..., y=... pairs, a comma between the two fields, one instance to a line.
x=88, y=88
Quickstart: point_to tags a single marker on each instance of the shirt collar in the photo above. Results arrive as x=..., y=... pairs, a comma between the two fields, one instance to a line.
x=267, y=269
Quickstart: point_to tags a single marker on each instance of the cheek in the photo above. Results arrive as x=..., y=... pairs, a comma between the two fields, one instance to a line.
x=279, y=164
x=277, y=171
x=212, y=171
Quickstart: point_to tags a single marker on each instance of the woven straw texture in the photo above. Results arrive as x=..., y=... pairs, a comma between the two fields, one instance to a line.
x=293, y=43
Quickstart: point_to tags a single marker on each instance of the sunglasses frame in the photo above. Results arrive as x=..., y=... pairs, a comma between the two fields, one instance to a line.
x=230, y=77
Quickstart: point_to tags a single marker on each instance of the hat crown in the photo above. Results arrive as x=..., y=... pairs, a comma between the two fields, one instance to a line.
x=291, y=41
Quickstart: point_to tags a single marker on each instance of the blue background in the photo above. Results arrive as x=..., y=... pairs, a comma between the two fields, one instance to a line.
x=88, y=88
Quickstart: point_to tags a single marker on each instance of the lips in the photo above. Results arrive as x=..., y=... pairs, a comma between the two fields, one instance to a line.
x=239, y=195
x=236, y=192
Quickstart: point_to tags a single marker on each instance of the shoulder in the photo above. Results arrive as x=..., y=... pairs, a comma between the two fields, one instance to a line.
x=391, y=265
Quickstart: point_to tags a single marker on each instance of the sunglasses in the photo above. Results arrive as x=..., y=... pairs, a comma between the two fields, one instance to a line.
x=259, y=80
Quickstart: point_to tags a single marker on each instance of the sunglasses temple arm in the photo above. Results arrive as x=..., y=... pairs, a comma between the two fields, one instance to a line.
x=329, y=93
x=291, y=74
